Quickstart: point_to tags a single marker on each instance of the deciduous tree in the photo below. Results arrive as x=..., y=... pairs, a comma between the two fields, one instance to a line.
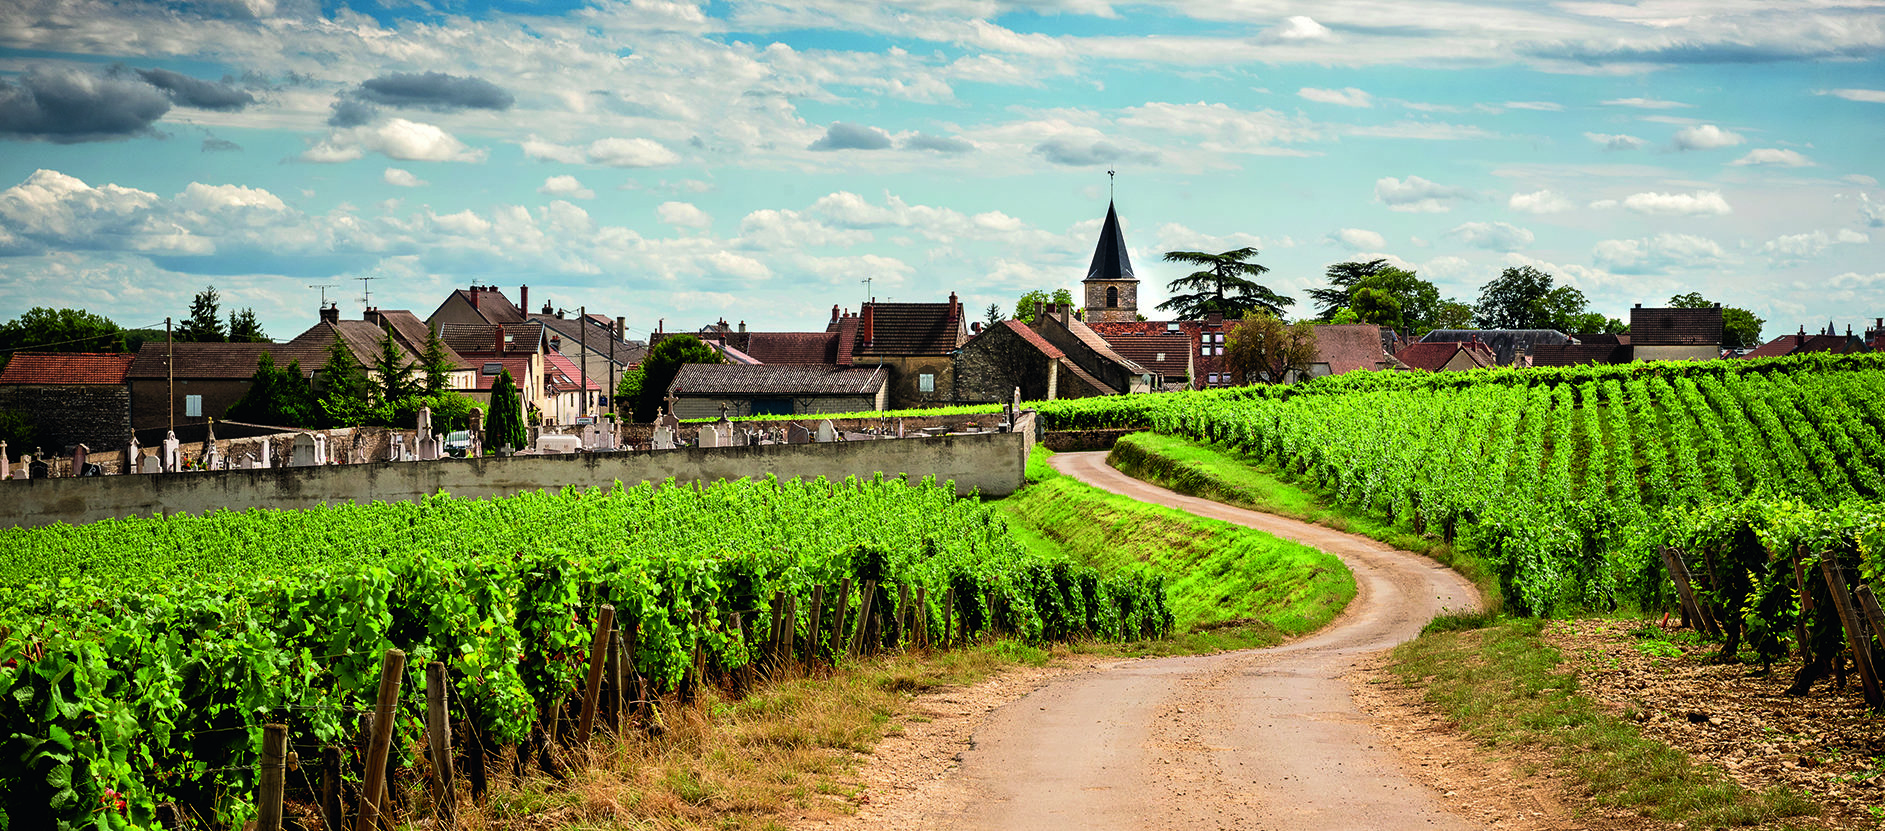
x=1024, y=308
x=649, y=382
x=1262, y=348
x=277, y=397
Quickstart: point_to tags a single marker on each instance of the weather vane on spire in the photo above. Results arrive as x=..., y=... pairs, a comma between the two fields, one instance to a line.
x=1109, y=185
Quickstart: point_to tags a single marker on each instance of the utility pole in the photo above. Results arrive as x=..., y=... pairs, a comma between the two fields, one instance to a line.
x=582, y=334
x=170, y=375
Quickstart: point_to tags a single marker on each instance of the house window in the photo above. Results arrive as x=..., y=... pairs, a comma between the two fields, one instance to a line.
x=926, y=382
x=1212, y=379
x=1112, y=297
x=1160, y=357
x=193, y=406
x=1171, y=327
x=493, y=368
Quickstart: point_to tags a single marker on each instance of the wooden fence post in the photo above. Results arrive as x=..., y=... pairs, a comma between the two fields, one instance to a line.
x=331, y=818
x=745, y=629
x=903, y=616
x=274, y=777
x=392, y=671
x=863, y=615
x=612, y=671
x=1873, y=614
x=922, y=616
x=598, y=657
x=812, y=629
x=949, y=616
x=837, y=620
x=1855, y=636
x=438, y=739
x=786, y=639
x=1679, y=572
x=772, y=634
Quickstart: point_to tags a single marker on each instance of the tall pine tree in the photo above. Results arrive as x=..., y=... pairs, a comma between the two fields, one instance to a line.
x=436, y=363
x=505, y=426
x=346, y=391
x=395, y=373
x=205, y=324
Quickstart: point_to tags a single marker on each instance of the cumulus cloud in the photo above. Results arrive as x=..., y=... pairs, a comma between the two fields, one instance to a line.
x=938, y=144
x=1699, y=203
x=1801, y=247
x=1646, y=103
x=1417, y=195
x=212, y=144
x=1538, y=202
x=1616, y=141
x=1773, y=156
x=843, y=135
x=1080, y=152
x=396, y=138
x=1223, y=128
x=401, y=178
x=434, y=91
x=612, y=152
x=1493, y=236
x=351, y=112
x=566, y=186
x=195, y=92
x=1296, y=28
x=1869, y=96
x=65, y=107
x=1346, y=97
x=1705, y=137
x=1656, y=254
x=683, y=215
x=1872, y=214
x=1358, y=238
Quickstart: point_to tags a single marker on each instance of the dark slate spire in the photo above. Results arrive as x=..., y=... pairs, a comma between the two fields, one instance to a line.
x=1109, y=258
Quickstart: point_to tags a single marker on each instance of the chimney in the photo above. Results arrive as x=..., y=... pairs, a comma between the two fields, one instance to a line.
x=1040, y=311
x=1639, y=305
x=474, y=298
x=1066, y=314
x=742, y=327
x=834, y=313
x=330, y=314
x=497, y=333
x=867, y=327
x=1213, y=318
x=547, y=309
x=621, y=328
x=523, y=299
x=955, y=307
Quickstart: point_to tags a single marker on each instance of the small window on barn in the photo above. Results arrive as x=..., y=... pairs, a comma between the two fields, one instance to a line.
x=193, y=406
x=1159, y=357
x=493, y=368
x=926, y=382
x=1171, y=327
x=1112, y=297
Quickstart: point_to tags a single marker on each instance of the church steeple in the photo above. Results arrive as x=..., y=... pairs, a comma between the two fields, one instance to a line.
x=1112, y=292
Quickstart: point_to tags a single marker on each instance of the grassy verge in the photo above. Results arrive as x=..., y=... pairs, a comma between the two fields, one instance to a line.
x=1229, y=586
x=1499, y=682
x=1224, y=475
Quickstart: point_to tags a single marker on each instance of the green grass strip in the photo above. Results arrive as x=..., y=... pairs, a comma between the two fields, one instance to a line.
x=1503, y=686
x=1217, y=473
x=1222, y=573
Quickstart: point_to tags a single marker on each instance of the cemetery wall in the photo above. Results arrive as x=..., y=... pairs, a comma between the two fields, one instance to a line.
x=993, y=463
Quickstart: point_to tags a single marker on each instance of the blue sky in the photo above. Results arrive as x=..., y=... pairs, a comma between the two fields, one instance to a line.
x=679, y=162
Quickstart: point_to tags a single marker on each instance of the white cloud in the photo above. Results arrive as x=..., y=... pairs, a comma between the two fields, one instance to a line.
x=1801, y=247
x=1870, y=96
x=1706, y=137
x=1540, y=106
x=1417, y=195
x=1347, y=97
x=613, y=152
x=1538, y=202
x=401, y=178
x=1773, y=156
x=395, y=138
x=683, y=215
x=1616, y=141
x=1646, y=103
x=1357, y=238
x=1873, y=215
x=1297, y=28
x=1855, y=280
x=1493, y=236
x=1657, y=254
x=1225, y=129
x=1699, y=203
x=566, y=186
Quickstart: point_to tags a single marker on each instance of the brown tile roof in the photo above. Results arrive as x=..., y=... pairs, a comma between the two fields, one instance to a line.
x=67, y=368
x=362, y=339
x=1433, y=357
x=221, y=360
x=491, y=305
x=1795, y=344
x=764, y=379
x=1098, y=344
x=1347, y=347
x=909, y=329
x=409, y=330
x=1675, y=327
x=1509, y=344
x=795, y=348
x=1165, y=354
x=1578, y=354
x=473, y=339
x=601, y=330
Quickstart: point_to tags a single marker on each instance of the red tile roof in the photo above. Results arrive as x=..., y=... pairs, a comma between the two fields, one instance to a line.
x=1165, y=354
x=1347, y=347
x=1032, y=337
x=793, y=348
x=518, y=364
x=68, y=368
x=561, y=375
x=1428, y=356
x=910, y=329
x=1796, y=343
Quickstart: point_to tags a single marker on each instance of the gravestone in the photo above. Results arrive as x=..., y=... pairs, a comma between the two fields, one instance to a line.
x=826, y=433
x=397, y=451
x=665, y=418
x=663, y=438
x=267, y=454
x=710, y=436
x=476, y=429
x=172, y=452
x=79, y=452
x=428, y=441
x=305, y=453
x=797, y=434
x=38, y=469
x=150, y=463
x=6, y=465
x=899, y=428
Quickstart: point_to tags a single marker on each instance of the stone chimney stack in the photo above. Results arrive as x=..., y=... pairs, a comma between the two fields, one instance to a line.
x=330, y=314
x=523, y=299
x=621, y=328
x=868, y=325
x=834, y=313
x=497, y=335
x=474, y=297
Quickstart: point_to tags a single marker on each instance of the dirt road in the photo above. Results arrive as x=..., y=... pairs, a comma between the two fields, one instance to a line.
x=1262, y=739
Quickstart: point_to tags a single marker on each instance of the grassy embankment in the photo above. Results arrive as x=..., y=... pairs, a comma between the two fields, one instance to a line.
x=1223, y=475
x=1230, y=587
x=1495, y=678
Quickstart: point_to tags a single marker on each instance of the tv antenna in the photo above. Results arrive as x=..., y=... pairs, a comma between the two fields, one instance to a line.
x=366, y=291
x=323, y=287
x=867, y=289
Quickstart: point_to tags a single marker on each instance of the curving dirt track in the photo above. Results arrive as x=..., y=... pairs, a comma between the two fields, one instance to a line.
x=1261, y=739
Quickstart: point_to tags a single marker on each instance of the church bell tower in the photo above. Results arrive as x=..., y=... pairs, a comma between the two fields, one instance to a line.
x=1112, y=292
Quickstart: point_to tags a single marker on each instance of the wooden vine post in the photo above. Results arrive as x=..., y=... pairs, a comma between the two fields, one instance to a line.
x=274, y=777
x=922, y=616
x=612, y=673
x=331, y=818
x=598, y=658
x=438, y=741
x=1855, y=636
x=1868, y=603
x=949, y=616
x=392, y=670
x=639, y=698
x=903, y=616
x=772, y=634
x=863, y=616
x=1679, y=572
x=787, y=635
x=812, y=626
x=837, y=621
x=1806, y=597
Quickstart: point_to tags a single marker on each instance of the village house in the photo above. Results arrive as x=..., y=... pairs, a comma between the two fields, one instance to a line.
x=599, y=346
x=1513, y=347
x=914, y=342
x=208, y=378
x=700, y=390
x=73, y=398
x=495, y=348
x=1802, y=342
x=1084, y=348
x=480, y=305
x=1658, y=334
x=1009, y=356
x=1449, y=356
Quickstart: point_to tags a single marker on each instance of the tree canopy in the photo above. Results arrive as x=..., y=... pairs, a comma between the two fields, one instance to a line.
x=1223, y=284
x=1382, y=294
x=346, y=392
x=645, y=386
x=395, y=381
x=1525, y=298
x=277, y=397
x=205, y=324
x=435, y=365
x=1740, y=329
x=1024, y=308
x=244, y=328
x=42, y=329
x=1261, y=347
